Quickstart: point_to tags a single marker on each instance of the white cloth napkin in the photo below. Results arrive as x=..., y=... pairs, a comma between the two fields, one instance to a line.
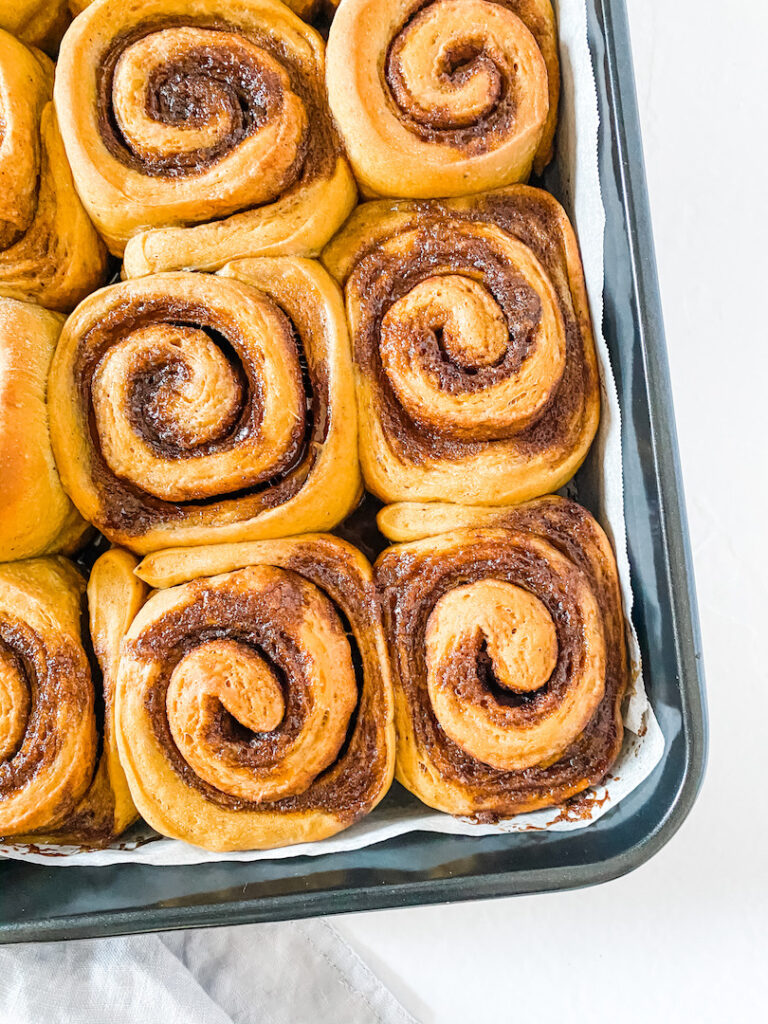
x=288, y=973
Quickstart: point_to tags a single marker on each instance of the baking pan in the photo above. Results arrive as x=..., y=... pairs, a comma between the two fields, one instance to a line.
x=39, y=902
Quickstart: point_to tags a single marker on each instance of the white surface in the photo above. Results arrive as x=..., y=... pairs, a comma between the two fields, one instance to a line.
x=218, y=976
x=686, y=936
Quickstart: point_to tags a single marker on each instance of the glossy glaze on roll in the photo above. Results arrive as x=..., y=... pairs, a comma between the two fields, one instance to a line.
x=306, y=9
x=190, y=408
x=477, y=378
x=444, y=97
x=37, y=516
x=206, y=121
x=36, y=22
x=60, y=777
x=509, y=658
x=49, y=250
x=254, y=701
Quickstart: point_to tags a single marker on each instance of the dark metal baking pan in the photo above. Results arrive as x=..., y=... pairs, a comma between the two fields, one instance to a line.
x=54, y=903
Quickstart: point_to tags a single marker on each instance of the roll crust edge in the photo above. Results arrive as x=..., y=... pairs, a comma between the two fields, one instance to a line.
x=444, y=546
x=168, y=793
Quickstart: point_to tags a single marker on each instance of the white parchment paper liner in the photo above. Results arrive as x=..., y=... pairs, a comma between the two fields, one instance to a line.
x=600, y=489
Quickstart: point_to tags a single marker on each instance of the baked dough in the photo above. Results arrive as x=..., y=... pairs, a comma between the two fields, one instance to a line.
x=198, y=132
x=37, y=516
x=192, y=409
x=254, y=704
x=507, y=639
x=444, y=97
x=58, y=782
x=476, y=372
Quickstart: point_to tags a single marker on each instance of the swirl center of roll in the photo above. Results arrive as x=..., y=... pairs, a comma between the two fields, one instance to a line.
x=454, y=67
x=221, y=676
x=193, y=410
x=509, y=629
x=185, y=97
x=475, y=355
x=468, y=325
x=491, y=647
x=14, y=704
x=259, y=711
x=185, y=393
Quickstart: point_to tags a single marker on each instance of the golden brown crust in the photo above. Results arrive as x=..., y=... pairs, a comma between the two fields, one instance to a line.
x=444, y=97
x=204, y=654
x=156, y=100
x=475, y=689
x=37, y=516
x=306, y=9
x=36, y=22
x=47, y=730
x=106, y=809
x=476, y=371
x=50, y=252
x=190, y=408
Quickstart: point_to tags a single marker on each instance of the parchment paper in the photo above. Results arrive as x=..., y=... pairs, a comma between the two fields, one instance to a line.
x=600, y=489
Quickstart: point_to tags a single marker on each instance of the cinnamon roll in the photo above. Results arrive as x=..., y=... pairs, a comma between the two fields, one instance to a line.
x=444, y=97
x=190, y=409
x=204, y=121
x=509, y=655
x=306, y=9
x=477, y=378
x=37, y=516
x=60, y=777
x=49, y=250
x=36, y=22
x=254, y=705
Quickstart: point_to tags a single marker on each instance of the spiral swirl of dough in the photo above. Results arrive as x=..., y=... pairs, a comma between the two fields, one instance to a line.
x=204, y=122
x=443, y=97
x=47, y=726
x=58, y=783
x=254, y=703
x=477, y=376
x=295, y=735
x=510, y=633
x=509, y=653
x=187, y=407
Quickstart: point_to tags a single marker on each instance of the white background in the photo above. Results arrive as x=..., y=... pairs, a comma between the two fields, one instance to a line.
x=685, y=937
